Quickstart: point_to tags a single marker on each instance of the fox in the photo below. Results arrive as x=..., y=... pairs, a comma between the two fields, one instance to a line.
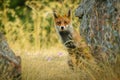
x=63, y=25
x=71, y=39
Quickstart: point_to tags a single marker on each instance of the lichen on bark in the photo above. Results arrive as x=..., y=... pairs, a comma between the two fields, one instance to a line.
x=100, y=26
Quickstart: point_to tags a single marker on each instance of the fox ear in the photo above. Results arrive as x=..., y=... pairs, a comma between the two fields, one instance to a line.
x=55, y=14
x=69, y=13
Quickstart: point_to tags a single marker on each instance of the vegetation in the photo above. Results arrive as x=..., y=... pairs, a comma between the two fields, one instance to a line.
x=29, y=29
x=29, y=25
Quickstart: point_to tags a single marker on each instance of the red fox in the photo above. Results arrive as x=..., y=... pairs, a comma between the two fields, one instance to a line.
x=77, y=49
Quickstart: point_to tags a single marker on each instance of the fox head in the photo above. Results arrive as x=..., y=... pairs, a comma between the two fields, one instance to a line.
x=63, y=22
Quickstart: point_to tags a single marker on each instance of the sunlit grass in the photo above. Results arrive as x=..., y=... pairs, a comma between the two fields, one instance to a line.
x=51, y=64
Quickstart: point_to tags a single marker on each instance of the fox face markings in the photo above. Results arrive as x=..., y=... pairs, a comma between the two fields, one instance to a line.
x=62, y=23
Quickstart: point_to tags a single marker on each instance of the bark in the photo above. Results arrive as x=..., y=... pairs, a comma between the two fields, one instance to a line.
x=100, y=26
x=10, y=65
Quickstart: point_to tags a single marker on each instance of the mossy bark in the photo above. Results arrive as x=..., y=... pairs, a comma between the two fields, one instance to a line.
x=10, y=65
x=100, y=26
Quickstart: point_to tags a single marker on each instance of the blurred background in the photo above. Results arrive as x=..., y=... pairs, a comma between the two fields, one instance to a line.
x=29, y=25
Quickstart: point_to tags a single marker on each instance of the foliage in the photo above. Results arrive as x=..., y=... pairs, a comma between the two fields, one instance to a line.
x=29, y=24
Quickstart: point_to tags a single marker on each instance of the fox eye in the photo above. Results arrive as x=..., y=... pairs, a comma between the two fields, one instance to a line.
x=58, y=22
x=65, y=22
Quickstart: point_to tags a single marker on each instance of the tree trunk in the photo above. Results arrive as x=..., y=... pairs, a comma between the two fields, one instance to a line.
x=10, y=65
x=100, y=26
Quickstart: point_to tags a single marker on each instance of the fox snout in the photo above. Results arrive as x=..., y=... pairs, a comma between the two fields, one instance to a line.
x=62, y=27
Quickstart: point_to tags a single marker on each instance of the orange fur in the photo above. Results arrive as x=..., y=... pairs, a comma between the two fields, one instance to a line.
x=77, y=49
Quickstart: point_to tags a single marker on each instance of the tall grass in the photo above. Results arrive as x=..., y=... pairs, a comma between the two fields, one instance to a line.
x=51, y=65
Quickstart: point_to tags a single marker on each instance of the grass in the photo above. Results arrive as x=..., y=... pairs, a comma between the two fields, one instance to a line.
x=46, y=65
x=51, y=64
x=26, y=35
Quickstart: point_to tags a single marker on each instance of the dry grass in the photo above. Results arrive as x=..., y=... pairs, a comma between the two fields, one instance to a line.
x=46, y=65
x=51, y=64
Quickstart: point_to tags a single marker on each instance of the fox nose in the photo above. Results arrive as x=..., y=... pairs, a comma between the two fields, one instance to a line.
x=62, y=27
